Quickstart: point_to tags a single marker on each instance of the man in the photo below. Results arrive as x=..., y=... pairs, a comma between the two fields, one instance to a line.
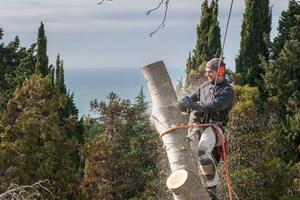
x=211, y=103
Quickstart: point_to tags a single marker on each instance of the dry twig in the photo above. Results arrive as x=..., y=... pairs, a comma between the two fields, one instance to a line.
x=103, y=1
x=162, y=25
x=26, y=192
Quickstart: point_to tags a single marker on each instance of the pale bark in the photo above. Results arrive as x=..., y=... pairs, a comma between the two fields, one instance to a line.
x=184, y=182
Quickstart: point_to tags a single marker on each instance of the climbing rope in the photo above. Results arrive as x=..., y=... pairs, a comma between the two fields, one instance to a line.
x=214, y=125
x=223, y=144
x=224, y=40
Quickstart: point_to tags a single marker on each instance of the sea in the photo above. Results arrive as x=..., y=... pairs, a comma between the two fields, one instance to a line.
x=96, y=83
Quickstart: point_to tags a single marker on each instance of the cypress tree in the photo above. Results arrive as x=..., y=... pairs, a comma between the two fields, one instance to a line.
x=208, y=42
x=282, y=79
x=255, y=36
x=41, y=66
x=214, y=35
x=189, y=64
x=57, y=70
x=62, y=86
x=59, y=79
x=1, y=33
x=51, y=74
x=200, y=52
x=287, y=20
x=70, y=107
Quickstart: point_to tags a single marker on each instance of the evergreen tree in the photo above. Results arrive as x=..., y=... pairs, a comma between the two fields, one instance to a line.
x=16, y=65
x=208, y=44
x=287, y=20
x=62, y=86
x=140, y=103
x=1, y=33
x=52, y=72
x=253, y=151
x=59, y=79
x=189, y=64
x=200, y=53
x=57, y=70
x=70, y=107
x=124, y=155
x=41, y=66
x=34, y=145
x=255, y=36
x=214, y=34
x=282, y=79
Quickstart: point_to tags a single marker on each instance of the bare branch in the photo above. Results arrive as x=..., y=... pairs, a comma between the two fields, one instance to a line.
x=162, y=25
x=103, y=1
x=153, y=9
x=27, y=192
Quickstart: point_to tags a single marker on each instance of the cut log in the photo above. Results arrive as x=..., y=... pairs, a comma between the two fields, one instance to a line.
x=184, y=182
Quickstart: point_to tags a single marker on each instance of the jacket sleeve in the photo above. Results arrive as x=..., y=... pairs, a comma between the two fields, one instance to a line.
x=196, y=96
x=221, y=102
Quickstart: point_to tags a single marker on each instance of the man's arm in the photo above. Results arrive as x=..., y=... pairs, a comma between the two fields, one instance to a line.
x=221, y=102
x=196, y=96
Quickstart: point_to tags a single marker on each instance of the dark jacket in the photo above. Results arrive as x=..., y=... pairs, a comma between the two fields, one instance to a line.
x=213, y=103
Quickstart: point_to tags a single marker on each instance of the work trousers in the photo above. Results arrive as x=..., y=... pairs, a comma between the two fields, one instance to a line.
x=203, y=141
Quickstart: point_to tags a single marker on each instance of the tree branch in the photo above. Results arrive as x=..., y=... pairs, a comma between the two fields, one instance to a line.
x=103, y=1
x=153, y=9
x=162, y=25
x=27, y=192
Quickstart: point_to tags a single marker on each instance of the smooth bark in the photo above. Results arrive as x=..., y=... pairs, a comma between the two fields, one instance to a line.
x=184, y=182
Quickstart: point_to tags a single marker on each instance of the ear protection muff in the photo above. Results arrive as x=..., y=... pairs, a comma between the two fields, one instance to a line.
x=221, y=71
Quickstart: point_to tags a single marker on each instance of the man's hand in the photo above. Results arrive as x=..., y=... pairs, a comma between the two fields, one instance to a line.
x=184, y=104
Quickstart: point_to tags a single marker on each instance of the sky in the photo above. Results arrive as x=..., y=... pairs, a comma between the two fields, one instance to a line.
x=116, y=33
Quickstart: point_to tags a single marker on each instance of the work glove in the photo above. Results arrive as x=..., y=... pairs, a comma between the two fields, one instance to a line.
x=184, y=104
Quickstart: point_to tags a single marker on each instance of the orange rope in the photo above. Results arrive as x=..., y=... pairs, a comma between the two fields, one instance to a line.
x=220, y=134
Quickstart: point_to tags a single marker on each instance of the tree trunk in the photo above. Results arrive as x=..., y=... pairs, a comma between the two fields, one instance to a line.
x=184, y=182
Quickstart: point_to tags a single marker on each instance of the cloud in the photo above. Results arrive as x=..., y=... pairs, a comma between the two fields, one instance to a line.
x=88, y=34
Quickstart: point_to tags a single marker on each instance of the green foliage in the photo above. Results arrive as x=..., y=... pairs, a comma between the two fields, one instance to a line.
x=120, y=163
x=21, y=123
x=15, y=65
x=255, y=39
x=92, y=128
x=189, y=64
x=35, y=145
x=201, y=50
x=214, y=33
x=59, y=78
x=257, y=170
x=208, y=42
x=59, y=82
x=1, y=33
x=287, y=20
x=41, y=66
x=282, y=79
